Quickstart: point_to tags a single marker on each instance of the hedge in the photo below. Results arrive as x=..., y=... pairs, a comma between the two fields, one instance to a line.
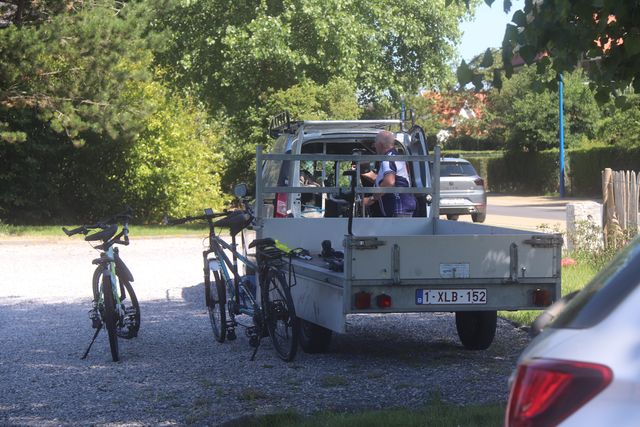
x=538, y=173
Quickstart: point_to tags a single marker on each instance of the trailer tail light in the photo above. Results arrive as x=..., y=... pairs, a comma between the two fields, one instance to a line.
x=363, y=300
x=479, y=181
x=383, y=301
x=547, y=391
x=281, y=205
x=541, y=298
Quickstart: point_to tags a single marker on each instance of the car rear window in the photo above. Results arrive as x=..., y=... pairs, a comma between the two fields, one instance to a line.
x=605, y=291
x=456, y=169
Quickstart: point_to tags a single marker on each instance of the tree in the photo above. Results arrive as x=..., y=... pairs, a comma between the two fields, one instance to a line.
x=69, y=68
x=525, y=111
x=87, y=123
x=602, y=35
x=233, y=52
x=621, y=126
x=305, y=101
x=244, y=59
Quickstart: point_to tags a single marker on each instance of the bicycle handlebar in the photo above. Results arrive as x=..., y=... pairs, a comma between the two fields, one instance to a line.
x=121, y=238
x=178, y=221
x=81, y=229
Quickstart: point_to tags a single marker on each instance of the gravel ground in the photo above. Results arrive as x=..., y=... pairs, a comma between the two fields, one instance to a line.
x=175, y=373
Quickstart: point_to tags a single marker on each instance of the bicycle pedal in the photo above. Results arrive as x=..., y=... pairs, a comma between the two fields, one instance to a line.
x=94, y=316
x=231, y=334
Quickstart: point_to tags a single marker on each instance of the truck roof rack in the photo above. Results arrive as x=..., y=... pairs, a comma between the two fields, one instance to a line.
x=311, y=126
x=281, y=123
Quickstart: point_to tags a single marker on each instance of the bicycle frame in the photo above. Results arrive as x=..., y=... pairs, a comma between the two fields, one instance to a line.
x=108, y=261
x=217, y=247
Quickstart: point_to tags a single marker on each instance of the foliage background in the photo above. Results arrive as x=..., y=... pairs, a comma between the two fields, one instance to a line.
x=159, y=104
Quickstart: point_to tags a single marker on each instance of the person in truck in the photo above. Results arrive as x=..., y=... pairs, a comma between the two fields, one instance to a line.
x=390, y=174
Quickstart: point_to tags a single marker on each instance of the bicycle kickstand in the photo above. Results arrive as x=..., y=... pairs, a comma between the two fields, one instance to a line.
x=255, y=350
x=255, y=344
x=86, y=353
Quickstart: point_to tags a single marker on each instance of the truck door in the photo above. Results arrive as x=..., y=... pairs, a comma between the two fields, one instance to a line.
x=421, y=170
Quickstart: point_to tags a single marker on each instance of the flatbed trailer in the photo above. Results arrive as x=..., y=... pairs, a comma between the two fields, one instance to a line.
x=397, y=265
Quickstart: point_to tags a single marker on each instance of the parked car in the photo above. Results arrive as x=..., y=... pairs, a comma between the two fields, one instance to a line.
x=584, y=368
x=461, y=190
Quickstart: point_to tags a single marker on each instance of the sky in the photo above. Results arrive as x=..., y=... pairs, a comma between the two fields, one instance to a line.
x=487, y=29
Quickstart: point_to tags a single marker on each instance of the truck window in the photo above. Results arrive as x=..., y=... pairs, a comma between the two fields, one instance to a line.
x=275, y=171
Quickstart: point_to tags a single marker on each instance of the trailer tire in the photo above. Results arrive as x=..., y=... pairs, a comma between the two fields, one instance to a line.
x=314, y=338
x=476, y=329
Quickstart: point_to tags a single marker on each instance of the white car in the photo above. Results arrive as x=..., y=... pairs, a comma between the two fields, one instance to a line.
x=584, y=368
x=461, y=190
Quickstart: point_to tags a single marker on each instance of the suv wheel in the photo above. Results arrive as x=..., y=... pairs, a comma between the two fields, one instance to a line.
x=479, y=217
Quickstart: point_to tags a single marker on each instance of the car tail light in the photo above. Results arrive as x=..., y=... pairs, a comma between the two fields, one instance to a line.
x=363, y=300
x=479, y=181
x=383, y=301
x=281, y=205
x=546, y=391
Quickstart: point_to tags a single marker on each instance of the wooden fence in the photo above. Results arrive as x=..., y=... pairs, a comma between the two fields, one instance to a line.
x=620, y=204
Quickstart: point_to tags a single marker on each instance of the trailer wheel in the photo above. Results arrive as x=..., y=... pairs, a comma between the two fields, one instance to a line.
x=476, y=329
x=314, y=338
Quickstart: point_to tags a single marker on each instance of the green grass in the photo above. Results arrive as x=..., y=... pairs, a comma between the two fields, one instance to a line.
x=7, y=230
x=435, y=414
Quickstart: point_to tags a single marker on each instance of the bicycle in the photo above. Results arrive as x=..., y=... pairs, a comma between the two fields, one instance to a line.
x=111, y=283
x=272, y=312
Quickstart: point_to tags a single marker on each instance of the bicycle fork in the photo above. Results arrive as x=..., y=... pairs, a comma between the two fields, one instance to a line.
x=96, y=316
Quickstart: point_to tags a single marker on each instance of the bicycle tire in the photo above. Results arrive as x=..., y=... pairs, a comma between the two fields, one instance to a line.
x=279, y=314
x=132, y=332
x=216, y=298
x=109, y=317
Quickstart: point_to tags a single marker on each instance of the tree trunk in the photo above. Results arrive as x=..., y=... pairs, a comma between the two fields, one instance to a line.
x=17, y=20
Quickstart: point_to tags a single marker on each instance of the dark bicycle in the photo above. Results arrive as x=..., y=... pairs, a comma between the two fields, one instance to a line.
x=115, y=305
x=230, y=295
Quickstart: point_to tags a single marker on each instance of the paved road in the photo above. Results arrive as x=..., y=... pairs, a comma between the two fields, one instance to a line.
x=526, y=212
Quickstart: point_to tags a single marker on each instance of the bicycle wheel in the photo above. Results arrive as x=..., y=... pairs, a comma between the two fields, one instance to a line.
x=131, y=322
x=96, y=283
x=109, y=316
x=215, y=295
x=279, y=314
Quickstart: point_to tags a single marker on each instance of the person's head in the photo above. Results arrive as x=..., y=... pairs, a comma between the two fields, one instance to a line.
x=384, y=141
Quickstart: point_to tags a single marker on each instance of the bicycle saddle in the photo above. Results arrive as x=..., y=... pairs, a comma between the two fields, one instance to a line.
x=236, y=222
x=260, y=243
x=104, y=234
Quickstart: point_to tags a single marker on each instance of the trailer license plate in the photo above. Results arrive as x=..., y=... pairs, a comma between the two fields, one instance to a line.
x=451, y=296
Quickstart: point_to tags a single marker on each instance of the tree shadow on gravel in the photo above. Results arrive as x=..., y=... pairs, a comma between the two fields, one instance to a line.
x=194, y=295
